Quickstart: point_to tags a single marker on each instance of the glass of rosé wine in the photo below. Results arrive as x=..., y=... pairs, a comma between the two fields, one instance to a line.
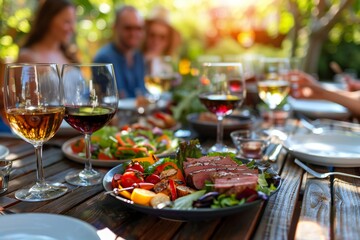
x=222, y=91
x=90, y=101
x=33, y=107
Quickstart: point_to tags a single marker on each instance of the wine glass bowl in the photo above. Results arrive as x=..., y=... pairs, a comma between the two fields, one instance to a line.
x=91, y=101
x=273, y=84
x=33, y=107
x=222, y=91
x=159, y=76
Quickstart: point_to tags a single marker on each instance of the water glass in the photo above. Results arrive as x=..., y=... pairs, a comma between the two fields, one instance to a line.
x=5, y=168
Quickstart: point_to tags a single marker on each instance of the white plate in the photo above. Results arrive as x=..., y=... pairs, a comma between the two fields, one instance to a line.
x=4, y=151
x=66, y=149
x=129, y=104
x=319, y=108
x=41, y=226
x=336, y=149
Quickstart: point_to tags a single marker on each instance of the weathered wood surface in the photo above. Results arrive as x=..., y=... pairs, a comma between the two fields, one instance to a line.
x=303, y=208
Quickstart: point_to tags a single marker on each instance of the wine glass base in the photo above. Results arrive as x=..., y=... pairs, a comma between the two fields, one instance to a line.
x=84, y=178
x=42, y=192
x=218, y=147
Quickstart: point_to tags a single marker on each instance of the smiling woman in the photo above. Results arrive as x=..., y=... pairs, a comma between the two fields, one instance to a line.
x=50, y=37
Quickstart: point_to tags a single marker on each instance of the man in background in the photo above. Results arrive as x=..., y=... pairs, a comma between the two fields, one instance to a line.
x=124, y=52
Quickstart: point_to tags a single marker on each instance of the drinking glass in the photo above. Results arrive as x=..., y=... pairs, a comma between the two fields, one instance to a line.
x=33, y=106
x=273, y=84
x=222, y=91
x=90, y=100
x=159, y=77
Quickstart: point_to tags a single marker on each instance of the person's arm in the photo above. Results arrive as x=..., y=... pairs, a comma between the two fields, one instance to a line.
x=350, y=100
x=307, y=87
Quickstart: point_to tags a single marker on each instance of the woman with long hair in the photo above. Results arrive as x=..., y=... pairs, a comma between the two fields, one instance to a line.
x=51, y=35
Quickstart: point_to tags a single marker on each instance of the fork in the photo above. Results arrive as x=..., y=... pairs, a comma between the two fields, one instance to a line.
x=322, y=175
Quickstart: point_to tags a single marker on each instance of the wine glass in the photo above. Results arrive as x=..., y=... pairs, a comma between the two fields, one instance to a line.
x=159, y=77
x=273, y=85
x=32, y=100
x=90, y=100
x=222, y=91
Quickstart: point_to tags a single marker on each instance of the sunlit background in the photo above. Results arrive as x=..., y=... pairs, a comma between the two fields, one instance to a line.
x=222, y=28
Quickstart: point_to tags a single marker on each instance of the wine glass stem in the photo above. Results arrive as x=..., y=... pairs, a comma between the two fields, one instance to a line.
x=40, y=179
x=88, y=166
x=219, y=134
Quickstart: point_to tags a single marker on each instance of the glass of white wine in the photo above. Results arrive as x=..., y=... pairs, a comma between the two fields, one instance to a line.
x=273, y=84
x=159, y=77
x=33, y=107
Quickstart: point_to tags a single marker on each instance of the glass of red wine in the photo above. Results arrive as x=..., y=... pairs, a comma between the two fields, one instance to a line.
x=91, y=101
x=222, y=91
x=33, y=107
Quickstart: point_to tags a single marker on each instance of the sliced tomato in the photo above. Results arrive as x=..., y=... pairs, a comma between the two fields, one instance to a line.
x=78, y=146
x=105, y=156
x=168, y=165
x=173, y=191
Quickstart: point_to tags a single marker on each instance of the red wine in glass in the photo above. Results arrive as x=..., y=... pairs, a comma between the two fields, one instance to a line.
x=220, y=104
x=88, y=119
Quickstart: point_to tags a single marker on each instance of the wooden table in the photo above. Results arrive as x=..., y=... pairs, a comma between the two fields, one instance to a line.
x=304, y=207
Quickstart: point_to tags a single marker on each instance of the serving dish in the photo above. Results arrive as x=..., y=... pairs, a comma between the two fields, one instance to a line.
x=196, y=214
x=66, y=149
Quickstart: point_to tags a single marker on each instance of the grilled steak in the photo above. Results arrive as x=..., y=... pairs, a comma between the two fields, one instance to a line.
x=226, y=175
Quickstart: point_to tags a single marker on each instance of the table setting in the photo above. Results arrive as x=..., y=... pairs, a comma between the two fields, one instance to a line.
x=264, y=159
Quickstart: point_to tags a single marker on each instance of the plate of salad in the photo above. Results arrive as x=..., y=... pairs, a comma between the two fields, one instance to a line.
x=111, y=146
x=190, y=186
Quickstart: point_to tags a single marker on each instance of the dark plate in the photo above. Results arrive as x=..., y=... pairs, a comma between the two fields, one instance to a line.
x=208, y=129
x=198, y=214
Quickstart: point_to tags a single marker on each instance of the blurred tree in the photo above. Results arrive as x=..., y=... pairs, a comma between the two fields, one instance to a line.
x=315, y=20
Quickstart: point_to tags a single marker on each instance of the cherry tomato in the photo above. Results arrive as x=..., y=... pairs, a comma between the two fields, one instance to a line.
x=153, y=178
x=115, y=180
x=131, y=177
x=78, y=146
x=136, y=166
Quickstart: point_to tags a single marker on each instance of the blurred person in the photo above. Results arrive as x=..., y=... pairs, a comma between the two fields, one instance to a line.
x=49, y=40
x=307, y=87
x=161, y=39
x=124, y=54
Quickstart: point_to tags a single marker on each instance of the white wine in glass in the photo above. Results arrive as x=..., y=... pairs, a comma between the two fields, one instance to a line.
x=159, y=76
x=273, y=84
x=33, y=106
x=90, y=100
x=222, y=91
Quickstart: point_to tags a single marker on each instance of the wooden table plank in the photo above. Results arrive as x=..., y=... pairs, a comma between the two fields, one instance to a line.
x=347, y=205
x=240, y=226
x=314, y=222
x=277, y=218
